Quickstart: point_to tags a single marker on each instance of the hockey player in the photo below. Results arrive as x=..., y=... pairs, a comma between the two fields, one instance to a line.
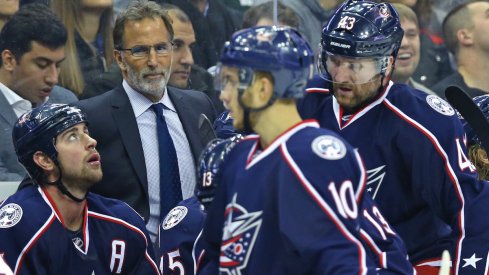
x=57, y=226
x=291, y=199
x=411, y=143
x=478, y=154
x=179, y=234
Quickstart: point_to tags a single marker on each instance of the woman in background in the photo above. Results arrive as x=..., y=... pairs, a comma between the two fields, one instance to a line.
x=89, y=46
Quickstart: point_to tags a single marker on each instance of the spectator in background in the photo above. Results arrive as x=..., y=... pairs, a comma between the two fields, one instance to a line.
x=222, y=20
x=205, y=53
x=32, y=47
x=262, y=15
x=434, y=59
x=125, y=120
x=89, y=46
x=185, y=74
x=7, y=9
x=312, y=15
x=465, y=30
x=408, y=56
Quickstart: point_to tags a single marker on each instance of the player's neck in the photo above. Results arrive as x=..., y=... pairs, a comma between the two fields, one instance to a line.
x=70, y=210
x=275, y=120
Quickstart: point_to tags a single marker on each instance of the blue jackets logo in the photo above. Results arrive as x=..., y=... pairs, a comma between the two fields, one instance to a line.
x=240, y=231
x=10, y=215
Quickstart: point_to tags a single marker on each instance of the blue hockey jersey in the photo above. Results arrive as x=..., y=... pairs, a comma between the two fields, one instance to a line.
x=298, y=207
x=179, y=238
x=33, y=240
x=419, y=174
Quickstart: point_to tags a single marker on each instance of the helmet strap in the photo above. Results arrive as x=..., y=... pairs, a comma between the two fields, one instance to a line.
x=62, y=188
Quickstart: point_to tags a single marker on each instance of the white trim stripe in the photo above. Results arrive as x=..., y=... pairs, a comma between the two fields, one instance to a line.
x=130, y=226
x=31, y=242
x=363, y=178
x=281, y=139
x=317, y=90
x=193, y=251
x=449, y=168
x=325, y=207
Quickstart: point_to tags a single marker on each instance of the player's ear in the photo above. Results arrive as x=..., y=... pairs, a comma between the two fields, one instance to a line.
x=265, y=86
x=43, y=161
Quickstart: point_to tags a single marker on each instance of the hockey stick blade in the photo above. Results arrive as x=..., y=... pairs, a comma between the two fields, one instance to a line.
x=470, y=112
x=206, y=130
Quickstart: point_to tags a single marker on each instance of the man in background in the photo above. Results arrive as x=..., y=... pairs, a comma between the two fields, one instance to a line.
x=409, y=52
x=128, y=121
x=32, y=46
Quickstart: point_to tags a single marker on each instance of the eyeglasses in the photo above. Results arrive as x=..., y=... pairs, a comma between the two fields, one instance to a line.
x=161, y=49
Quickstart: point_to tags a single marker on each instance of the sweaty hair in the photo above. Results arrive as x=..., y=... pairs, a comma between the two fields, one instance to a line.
x=32, y=23
x=285, y=15
x=458, y=18
x=478, y=157
x=138, y=11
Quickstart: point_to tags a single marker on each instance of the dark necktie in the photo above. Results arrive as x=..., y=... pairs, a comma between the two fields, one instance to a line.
x=170, y=186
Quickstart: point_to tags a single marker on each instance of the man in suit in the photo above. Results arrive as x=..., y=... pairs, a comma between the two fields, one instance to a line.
x=32, y=45
x=124, y=123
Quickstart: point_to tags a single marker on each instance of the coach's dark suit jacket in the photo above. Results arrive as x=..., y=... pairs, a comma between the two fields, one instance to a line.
x=113, y=125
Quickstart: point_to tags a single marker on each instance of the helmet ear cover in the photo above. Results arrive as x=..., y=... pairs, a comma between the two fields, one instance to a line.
x=37, y=131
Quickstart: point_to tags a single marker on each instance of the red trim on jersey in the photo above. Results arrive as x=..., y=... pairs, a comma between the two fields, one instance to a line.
x=373, y=246
x=278, y=141
x=450, y=172
x=32, y=243
x=290, y=129
x=317, y=90
x=129, y=226
x=53, y=205
x=85, y=228
x=325, y=207
x=360, y=111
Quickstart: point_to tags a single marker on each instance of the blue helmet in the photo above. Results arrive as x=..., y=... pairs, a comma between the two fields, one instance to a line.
x=209, y=166
x=37, y=131
x=483, y=103
x=363, y=29
x=280, y=51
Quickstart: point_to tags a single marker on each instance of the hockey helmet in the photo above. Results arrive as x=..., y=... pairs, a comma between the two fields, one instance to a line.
x=209, y=166
x=37, y=130
x=360, y=30
x=280, y=51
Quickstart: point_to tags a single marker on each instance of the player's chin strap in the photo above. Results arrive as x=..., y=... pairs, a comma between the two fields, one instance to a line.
x=65, y=191
x=247, y=110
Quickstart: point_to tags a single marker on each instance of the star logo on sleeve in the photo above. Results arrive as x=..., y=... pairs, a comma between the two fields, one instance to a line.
x=472, y=261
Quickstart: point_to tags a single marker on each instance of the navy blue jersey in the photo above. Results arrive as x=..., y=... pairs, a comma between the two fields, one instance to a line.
x=419, y=174
x=298, y=207
x=33, y=240
x=179, y=238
